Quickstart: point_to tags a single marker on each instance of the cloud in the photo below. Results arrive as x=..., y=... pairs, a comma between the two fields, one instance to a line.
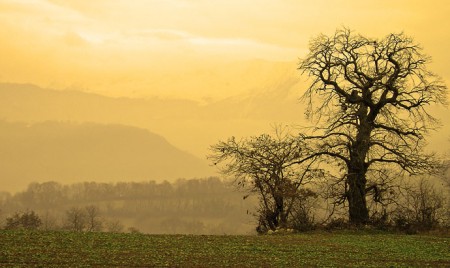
x=74, y=39
x=160, y=34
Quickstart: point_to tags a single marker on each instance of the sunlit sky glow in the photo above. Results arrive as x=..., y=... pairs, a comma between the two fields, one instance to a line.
x=123, y=48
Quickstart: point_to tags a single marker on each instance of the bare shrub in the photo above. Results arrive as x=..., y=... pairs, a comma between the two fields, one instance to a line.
x=423, y=208
x=114, y=226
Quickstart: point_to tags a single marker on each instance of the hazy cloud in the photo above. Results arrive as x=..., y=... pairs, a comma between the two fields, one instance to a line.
x=99, y=43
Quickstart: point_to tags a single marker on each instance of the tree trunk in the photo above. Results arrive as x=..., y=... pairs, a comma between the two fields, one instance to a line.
x=356, y=178
x=356, y=196
x=279, y=211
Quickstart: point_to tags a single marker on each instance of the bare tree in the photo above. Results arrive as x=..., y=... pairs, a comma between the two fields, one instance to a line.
x=49, y=221
x=114, y=226
x=267, y=166
x=93, y=220
x=368, y=99
x=75, y=219
x=422, y=206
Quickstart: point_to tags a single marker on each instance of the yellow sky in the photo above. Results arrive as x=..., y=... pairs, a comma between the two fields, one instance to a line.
x=126, y=48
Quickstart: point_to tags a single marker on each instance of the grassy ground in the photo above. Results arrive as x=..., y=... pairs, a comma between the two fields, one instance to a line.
x=343, y=249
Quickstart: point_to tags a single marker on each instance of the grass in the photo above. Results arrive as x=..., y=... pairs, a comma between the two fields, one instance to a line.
x=318, y=249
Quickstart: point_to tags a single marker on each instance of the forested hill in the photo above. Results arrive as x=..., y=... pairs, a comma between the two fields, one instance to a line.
x=69, y=152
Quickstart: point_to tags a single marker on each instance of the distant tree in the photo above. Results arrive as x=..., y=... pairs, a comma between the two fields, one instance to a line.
x=369, y=99
x=266, y=166
x=93, y=219
x=43, y=195
x=27, y=220
x=13, y=222
x=133, y=230
x=49, y=222
x=75, y=219
x=114, y=226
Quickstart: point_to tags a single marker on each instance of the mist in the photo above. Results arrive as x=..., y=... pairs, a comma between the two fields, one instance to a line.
x=195, y=206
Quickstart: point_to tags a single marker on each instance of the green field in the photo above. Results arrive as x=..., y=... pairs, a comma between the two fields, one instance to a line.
x=318, y=249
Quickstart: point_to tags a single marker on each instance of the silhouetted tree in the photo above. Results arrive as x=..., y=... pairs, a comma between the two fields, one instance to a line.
x=369, y=99
x=267, y=166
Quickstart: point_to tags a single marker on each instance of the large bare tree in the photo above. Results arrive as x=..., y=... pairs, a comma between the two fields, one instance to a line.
x=369, y=100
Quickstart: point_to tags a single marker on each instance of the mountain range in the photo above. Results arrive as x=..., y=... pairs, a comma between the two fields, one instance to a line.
x=187, y=124
x=72, y=135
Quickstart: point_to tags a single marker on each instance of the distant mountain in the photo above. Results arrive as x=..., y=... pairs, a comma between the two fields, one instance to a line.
x=69, y=152
x=27, y=102
x=66, y=153
x=187, y=124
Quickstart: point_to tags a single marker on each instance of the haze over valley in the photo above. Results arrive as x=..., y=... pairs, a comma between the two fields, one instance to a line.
x=71, y=136
x=186, y=126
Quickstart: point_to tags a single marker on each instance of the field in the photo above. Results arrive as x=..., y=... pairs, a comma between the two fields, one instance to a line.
x=318, y=249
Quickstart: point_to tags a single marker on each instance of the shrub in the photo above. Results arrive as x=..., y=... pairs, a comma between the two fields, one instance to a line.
x=27, y=220
x=422, y=210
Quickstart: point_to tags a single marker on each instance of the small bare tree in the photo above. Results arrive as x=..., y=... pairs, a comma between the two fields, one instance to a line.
x=93, y=219
x=114, y=226
x=267, y=166
x=422, y=207
x=75, y=219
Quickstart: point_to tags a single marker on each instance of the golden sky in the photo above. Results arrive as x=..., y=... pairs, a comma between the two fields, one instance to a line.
x=231, y=64
x=137, y=48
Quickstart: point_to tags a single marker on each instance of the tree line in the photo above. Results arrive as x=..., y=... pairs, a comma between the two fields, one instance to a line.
x=197, y=206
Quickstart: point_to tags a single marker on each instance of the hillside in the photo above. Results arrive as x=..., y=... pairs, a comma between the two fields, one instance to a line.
x=269, y=94
x=69, y=152
x=186, y=124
